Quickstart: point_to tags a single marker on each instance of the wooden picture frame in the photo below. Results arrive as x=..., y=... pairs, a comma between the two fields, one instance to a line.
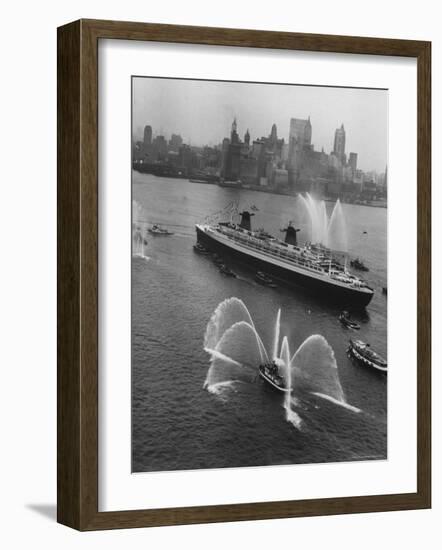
x=77, y=226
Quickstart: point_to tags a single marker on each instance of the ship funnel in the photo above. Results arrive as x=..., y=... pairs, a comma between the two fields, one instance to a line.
x=245, y=220
x=290, y=234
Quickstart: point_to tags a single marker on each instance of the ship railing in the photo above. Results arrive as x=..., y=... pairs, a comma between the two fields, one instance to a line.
x=267, y=248
x=270, y=250
x=287, y=257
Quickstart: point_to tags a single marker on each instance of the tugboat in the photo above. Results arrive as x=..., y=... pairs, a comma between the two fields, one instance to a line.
x=358, y=264
x=217, y=260
x=159, y=231
x=345, y=320
x=199, y=249
x=230, y=183
x=264, y=279
x=226, y=271
x=362, y=352
x=270, y=373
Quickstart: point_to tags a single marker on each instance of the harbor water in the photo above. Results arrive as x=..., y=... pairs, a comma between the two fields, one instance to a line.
x=176, y=422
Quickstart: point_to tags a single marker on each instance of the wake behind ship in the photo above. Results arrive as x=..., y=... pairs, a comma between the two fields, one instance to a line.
x=309, y=266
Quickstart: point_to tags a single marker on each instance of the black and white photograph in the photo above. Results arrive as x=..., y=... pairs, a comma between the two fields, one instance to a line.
x=258, y=273
x=218, y=334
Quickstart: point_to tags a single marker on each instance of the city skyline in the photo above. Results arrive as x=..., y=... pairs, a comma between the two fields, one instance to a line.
x=202, y=113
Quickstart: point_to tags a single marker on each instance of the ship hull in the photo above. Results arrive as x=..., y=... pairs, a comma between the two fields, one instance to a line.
x=270, y=381
x=317, y=287
x=353, y=352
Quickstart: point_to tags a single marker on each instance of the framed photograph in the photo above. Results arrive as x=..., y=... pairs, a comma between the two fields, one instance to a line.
x=243, y=275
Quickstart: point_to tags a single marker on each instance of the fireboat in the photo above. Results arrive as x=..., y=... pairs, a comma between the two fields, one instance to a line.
x=270, y=373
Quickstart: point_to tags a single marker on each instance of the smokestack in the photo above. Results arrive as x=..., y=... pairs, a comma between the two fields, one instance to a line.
x=290, y=234
x=245, y=220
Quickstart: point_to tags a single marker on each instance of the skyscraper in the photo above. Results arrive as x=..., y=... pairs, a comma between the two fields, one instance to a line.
x=247, y=138
x=159, y=147
x=233, y=157
x=300, y=138
x=339, y=144
x=234, y=137
x=301, y=131
x=273, y=135
x=147, y=136
x=353, y=161
x=175, y=142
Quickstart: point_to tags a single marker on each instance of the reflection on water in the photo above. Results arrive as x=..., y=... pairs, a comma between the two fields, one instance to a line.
x=176, y=423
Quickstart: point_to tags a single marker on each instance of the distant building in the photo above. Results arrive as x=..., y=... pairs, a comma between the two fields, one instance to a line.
x=187, y=159
x=224, y=155
x=300, y=138
x=273, y=135
x=301, y=132
x=385, y=185
x=300, y=141
x=173, y=159
x=147, y=140
x=280, y=178
x=257, y=148
x=353, y=162
x=138, y=151
x=247, y=138
x=175, y=142
x=339, y=144
x=347, y=173
x=211, y=159
x=334, y=187
x=159, y=147
x=248, y=170
x=231, y=168
x=381, y=183
x=358, y=180
x=234, y=137
x=334, y=160
x=369, y=186
x=274, y=145
x=145, y=150
x=318, y=187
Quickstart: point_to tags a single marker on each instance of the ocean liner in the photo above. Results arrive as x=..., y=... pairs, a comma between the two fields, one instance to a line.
x=310, y=266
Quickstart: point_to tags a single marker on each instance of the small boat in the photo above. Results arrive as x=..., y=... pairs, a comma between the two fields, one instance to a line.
x=345, y=320
x=358, y=264
x=270, y=373
x=264, y=279
x=362, y=352
x=159, y=231
x=200, y=180
x=226, y=271
x=226, y=183
x=217, y=260
x=199, y=249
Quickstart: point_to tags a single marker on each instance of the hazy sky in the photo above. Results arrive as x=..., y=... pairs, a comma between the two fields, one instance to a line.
x=202, y=112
